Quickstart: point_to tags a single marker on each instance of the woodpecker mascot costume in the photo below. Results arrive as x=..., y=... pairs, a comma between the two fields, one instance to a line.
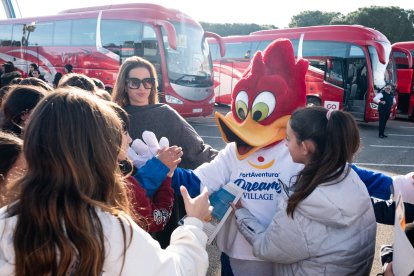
x=255, y=157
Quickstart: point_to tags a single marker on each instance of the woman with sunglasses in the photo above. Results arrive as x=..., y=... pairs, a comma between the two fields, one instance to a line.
x=136, y=91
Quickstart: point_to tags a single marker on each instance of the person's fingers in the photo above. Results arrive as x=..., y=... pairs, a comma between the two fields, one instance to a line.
x=184, y=194
x=176, y=162
x=204, y=192
x=164, y=143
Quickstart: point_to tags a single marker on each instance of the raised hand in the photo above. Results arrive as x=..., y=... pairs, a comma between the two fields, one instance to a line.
x=143, y=150
x=198, y=207
x=170, y=157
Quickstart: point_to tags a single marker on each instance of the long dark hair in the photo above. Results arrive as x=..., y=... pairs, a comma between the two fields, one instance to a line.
x=11, y=147
x=78, y=80
x=19, y=100
x=71, y=145
x=336, y=139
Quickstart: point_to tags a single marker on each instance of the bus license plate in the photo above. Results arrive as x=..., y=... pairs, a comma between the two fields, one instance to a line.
x=197, y=110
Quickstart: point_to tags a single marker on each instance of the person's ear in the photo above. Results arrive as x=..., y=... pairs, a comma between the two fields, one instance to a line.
x=25, y=115
x=308, y=147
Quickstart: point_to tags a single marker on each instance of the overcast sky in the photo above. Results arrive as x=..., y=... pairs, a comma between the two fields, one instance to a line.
x=219, y=11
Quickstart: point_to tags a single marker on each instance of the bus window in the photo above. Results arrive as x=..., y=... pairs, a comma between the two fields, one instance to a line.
x=84, y=32
x=260, y=45
x=17, y=35
x=401, y=60
x=324, y=48
x=215, y=51
x=335, y=73
x=5, y=35
x=188, y=64
x=356, y=51
x=150, y=46
x=41, y=36
x=237, y=50
x=62, y=38
x=123, y=37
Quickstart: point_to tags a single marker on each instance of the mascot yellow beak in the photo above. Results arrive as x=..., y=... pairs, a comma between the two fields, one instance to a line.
x=250, y=136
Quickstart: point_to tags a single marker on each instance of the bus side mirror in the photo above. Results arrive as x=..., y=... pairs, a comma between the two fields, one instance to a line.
x=219, y=40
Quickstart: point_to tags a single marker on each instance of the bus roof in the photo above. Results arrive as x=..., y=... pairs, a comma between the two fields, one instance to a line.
x=137, y=11
x=343, y=33
x=335, y=32
x=409, y=45
x=355, y=34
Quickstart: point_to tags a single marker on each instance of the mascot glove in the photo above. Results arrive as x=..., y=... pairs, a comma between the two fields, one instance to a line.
x=404, y=184
x=248, y=225
x=143, y=150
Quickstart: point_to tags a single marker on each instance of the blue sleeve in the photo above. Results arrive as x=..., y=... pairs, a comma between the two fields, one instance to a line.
x=186, y=178
x=378, y=184
x=151, y=175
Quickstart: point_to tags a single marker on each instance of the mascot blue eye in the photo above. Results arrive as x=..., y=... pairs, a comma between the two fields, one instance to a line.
x=263, y=106
x=241, y=105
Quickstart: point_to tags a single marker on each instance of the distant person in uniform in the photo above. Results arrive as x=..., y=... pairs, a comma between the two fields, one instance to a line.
x=385, y=100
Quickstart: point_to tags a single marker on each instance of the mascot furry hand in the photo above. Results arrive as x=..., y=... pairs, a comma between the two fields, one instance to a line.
x=270, y=90
x=143, y=150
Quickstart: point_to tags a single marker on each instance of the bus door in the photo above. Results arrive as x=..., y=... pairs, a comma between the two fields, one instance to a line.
x=355, y=82
x=405, y=85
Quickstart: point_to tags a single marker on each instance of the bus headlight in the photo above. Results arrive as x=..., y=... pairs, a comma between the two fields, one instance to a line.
x=172, y=100
x=212, y=101
x=374, y=106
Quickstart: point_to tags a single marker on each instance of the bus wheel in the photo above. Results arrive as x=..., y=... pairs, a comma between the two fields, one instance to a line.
x=312, y=101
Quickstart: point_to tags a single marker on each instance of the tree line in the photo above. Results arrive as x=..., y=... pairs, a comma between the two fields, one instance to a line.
x=395, y=23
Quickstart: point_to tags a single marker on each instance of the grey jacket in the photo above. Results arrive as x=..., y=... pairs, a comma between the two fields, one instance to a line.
x=332, y=233
x=166, y=122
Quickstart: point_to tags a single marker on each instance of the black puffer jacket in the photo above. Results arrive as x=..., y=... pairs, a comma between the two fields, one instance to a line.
x=6, y=78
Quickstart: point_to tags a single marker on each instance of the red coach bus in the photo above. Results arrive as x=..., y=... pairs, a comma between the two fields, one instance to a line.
x=349, y=65
x=403, y=54
x=96, y=40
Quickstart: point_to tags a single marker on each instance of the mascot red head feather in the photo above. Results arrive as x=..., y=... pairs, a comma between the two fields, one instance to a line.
x=270, y=90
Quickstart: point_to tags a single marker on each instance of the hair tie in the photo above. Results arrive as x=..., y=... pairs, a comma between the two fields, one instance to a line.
x=329, y=113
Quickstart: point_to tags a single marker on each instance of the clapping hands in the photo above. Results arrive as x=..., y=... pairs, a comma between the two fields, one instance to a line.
x=143, y=150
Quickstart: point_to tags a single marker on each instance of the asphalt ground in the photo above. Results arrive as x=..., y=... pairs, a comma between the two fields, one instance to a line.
x=392, y=155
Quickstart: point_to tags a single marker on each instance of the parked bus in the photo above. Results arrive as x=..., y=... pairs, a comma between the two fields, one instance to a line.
x=403, y=54
x=96, y=40
x=349, y=65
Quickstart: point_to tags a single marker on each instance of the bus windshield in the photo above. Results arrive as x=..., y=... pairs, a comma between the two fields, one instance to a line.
x=188, y=65
x=382, y=73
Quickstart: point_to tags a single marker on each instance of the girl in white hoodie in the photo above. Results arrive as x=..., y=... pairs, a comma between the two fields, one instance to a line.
x=326, y=224
x=73, y=216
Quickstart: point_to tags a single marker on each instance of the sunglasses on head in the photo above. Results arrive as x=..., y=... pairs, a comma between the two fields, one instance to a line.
x=135, y=83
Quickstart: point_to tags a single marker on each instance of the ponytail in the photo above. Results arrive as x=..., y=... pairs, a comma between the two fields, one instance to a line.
x=336, y=138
